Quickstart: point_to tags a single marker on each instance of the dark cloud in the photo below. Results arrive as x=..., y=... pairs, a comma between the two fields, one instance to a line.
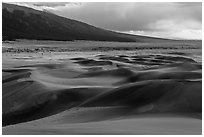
x=128, y=16
x=54, y=4
x=190, y=4
x=51, y=4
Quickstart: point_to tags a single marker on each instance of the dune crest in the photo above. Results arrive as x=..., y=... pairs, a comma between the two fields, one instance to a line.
x=103, y=88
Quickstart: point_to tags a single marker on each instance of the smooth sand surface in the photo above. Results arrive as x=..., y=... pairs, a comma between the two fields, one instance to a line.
x=148, y=125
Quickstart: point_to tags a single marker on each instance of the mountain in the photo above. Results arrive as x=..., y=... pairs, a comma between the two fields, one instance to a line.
x=19, y=22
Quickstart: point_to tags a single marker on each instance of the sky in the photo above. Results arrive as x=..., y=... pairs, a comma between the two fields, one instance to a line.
x=177, y=20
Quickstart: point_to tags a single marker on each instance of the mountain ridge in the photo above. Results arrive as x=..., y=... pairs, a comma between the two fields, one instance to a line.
x=20, y=22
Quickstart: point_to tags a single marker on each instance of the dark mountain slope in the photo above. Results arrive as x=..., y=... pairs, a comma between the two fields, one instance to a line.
x=20, y=22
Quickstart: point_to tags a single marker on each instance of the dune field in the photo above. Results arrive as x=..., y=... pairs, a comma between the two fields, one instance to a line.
x=138, y=89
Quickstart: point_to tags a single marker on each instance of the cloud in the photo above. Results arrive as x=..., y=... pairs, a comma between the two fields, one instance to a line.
x=146, y=17
x=51, y=4
x=181, y=34
x=172, y=29
x=124, y=16
x=45, y=5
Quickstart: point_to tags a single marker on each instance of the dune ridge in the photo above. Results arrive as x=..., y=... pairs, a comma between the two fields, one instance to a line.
x=102, y=88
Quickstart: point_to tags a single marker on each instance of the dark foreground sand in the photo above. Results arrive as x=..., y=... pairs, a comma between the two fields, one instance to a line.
x=103, y=94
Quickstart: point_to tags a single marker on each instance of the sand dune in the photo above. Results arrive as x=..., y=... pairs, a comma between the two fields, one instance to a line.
x=89, y=95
